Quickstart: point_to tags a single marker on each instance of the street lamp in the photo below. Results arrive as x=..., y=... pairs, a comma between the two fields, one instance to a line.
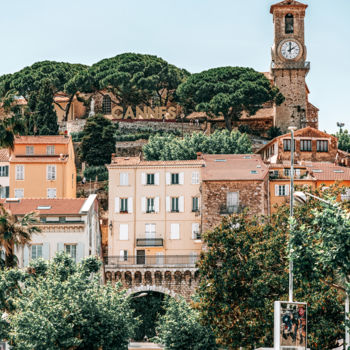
x=301, y=198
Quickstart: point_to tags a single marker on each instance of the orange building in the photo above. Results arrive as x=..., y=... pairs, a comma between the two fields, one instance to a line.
x=42, y=167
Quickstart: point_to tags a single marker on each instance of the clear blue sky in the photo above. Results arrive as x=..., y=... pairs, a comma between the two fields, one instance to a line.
x=193, y=34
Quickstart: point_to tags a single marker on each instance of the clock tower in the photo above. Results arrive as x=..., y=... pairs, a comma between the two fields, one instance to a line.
x=289, y=66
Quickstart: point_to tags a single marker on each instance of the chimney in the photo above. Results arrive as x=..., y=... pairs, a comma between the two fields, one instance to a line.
x=199, y=155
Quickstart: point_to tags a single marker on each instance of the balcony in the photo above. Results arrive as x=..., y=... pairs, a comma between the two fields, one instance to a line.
x=291, y=65
x=147, y=241
x=151, y=260
x=231, y=209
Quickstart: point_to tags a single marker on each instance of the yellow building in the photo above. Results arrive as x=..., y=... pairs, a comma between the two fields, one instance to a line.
x=42, y=167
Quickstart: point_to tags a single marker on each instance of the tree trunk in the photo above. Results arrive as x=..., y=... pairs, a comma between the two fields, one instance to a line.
x=66, y=112
x=228, y=122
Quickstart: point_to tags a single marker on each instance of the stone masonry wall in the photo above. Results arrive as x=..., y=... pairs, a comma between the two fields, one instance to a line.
x=252, y=194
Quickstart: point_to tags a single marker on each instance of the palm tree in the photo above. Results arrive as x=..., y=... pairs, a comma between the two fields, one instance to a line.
x=15, y=231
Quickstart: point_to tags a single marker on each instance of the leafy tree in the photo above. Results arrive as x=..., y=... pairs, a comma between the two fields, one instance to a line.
x=134, y=79
x=220, y=142
x=98, y=142
x=28, y=81
x=273, y=132
x=180, y=328
x=244, y=270
x=15, y=231
x=227, y=91
x=63, y=306
x=43, y=120
x=343, y=140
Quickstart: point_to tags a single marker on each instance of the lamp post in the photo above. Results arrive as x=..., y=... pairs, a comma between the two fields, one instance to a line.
x=291, y=214
x=301, y=197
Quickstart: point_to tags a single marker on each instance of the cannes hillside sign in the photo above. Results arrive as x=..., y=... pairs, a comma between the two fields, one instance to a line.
x=144, y=113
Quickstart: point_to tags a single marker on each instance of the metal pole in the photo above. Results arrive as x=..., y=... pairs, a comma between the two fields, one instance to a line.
x=347, y=334
x=291, y=209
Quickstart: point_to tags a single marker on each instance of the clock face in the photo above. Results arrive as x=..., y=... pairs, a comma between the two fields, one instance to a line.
x=290, y=50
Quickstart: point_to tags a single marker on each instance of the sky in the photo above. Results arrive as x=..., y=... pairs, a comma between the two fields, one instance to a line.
x=192, y=34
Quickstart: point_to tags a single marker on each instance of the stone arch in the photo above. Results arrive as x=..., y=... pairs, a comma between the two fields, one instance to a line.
x=148, y=277
x=196, y=276
x=108, y=276
x=148, y=288
x=178, y=277
x=118, y=276
x=128, y=278
x=167, y=277
x=188, y=277
x=138, y=278
x=158, y=278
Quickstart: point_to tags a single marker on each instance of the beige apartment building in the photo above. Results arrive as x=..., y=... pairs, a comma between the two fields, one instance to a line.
x=154, y=209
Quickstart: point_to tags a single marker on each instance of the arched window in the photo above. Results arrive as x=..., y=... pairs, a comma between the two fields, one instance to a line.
x=289, y=23
x=106, y=105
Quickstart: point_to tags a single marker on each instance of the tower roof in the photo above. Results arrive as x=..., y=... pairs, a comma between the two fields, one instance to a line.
x=288, y=3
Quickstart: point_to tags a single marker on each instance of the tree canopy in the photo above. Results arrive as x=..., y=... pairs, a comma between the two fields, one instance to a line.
x=134, y=79
x=245, y=269
x=98, y=142
x=174, y=148
x=227, y=91
x=343, y=140
x=60, y=305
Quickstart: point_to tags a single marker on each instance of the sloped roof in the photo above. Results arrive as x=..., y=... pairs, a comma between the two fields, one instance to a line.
x=58, y=206
x=4, y=155
x=288, y=3
x=329, y=172
x=137, y=161
x=49, y=139
x=233, y=167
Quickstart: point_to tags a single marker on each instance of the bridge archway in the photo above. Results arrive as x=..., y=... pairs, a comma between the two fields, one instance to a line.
x=151, y=288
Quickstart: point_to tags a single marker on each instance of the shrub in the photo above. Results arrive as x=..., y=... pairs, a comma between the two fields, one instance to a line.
x=91, y=172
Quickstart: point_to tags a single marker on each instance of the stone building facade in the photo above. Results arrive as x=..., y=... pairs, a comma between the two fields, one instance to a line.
x=230, y=184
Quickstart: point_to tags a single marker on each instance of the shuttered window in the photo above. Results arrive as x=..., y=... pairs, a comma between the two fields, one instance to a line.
x=71, y=250
x=305, y=146
x=51, y=172
x=19, y=172
x=36, y=251
x=124, y=179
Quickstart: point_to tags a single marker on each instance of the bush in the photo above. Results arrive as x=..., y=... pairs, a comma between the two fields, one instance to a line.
x=91, y=172
x=77, y=136
x=244, y=129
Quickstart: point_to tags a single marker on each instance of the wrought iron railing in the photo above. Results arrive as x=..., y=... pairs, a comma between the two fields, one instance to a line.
x=151, y=260
x=149, y=242
x=291, y=65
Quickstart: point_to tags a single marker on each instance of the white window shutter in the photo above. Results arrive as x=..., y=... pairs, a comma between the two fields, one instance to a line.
x=195, y=229
x=26, y=256
x=195, y=178
x=46, y=251
x=168, y=203
x=174, y=231
x=143, y=178
x=156, y=179
x=287, y=190
x=60, y=247
x=116, y=204
x=121, y=254
x=143, y=204
x=123, y=232
x=181, y=204
x=130, y=205
x=276, y=190
x=156, y=204
x=80, y=252
x=168, y=178
x=182, y=178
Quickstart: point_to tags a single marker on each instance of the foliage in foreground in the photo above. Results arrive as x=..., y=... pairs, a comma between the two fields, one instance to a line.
x=173, y=148
x=61, y=305
x=180, y=328
x=343, y=140
x=245, y=269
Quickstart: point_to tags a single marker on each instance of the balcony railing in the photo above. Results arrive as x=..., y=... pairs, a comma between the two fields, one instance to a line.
x=291, y=65
x=230, y=209
x=149, y=242
x=151, y=260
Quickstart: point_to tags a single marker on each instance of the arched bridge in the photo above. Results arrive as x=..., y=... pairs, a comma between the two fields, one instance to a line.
x=172, y=275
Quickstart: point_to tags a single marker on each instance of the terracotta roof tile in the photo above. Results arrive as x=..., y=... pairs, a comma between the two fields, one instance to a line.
x=136, y=161
x=4, y=155
x=44, y=159
x=59, y=206
x=329, y=172
x=233, y=167
x=49, y=139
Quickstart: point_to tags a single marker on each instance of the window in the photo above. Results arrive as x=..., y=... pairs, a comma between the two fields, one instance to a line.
x=322, y=146
x=50, y=150
x=287, y=144
x=106, y=105
x=124, y=179
x=195, y=204
x=150, y=205
x=123, y=205
x=19, y=172
x=71, y=250
x=195, y=231
x=195, y=178
x=51, y=193
x=150, y=179
x=175, y=179
x=19, y=192
x=232, y=201
x=175, y=231
x=287, y=172
x=175, y=204
x=281, y=190
x=289, y=24
x=4, y=170
x=29, y=150
x=150, y=231
x=123, y=232
x=36, y=251
x=4, y=192
x=305, y=146
x=51, y=172
x=123, y=255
